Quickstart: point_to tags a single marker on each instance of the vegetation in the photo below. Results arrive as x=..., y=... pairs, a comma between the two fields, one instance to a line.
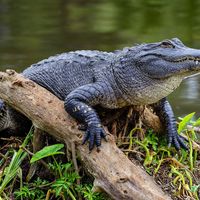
x=176, y=172
x=63, y=183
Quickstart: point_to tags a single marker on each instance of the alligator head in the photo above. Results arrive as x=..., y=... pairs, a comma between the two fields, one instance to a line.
x=167, y=58
x=147, y=73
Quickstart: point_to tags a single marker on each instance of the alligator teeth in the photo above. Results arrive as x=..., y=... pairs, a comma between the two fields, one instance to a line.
x=196, y=60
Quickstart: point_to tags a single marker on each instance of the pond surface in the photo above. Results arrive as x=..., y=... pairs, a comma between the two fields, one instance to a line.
x=34, y=30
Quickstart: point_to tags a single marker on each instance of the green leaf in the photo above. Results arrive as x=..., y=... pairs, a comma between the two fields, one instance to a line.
x=14, y=167
x=47, y=151
x=184, y=122
x=197, y=122
x=194, y=188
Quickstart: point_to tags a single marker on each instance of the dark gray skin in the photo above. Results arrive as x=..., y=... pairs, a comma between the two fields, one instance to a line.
x=140, y=75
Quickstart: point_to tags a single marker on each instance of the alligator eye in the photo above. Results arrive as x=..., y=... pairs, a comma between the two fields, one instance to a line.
x=167, y=44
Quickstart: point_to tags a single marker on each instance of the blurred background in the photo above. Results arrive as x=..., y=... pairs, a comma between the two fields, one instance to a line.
x=34, y=30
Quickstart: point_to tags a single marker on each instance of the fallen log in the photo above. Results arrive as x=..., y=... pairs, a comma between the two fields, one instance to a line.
x=113, y=171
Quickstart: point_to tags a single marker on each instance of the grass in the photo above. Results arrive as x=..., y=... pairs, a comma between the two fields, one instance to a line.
x=10, y=172
x=62, y=184
x=169, y=167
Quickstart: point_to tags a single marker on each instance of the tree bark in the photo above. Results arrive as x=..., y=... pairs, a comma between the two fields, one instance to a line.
x=113, y=171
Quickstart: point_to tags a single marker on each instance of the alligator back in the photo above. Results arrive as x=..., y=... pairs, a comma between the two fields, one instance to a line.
x=63, y=73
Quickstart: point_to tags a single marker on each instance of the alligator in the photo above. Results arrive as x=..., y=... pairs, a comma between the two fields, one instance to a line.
x=140, y=75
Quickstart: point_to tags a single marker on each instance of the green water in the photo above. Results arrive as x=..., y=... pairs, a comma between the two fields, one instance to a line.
x=33, y=30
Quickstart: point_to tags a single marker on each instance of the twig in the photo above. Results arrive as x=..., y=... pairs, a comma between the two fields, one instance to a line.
x=3, y=156
x=194, y=144
x=13, y=139
x=196, y=129
x=73, y=149
x=31, y=154
x=130, y=111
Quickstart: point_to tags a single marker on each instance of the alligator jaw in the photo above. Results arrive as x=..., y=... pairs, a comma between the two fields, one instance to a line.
x=190, y=58
x=191, y=63
x=188, y=66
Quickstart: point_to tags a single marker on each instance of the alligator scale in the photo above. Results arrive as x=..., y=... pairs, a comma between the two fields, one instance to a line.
x=139, y=75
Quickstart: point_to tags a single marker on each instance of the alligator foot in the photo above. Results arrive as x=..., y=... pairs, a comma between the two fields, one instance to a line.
x=177, y=140
x=94, y=135
x=165, y=112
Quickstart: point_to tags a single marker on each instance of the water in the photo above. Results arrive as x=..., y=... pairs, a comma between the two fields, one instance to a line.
x=33, y=30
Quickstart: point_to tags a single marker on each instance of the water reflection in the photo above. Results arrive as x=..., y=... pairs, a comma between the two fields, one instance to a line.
x=33, y=30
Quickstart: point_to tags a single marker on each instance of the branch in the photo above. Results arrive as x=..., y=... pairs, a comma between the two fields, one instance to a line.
x=113, y=171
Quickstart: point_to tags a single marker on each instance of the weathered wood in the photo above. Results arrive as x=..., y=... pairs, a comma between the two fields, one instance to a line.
x=113, y=171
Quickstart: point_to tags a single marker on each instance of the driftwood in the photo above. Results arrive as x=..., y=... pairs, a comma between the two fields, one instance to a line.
x=113, y=171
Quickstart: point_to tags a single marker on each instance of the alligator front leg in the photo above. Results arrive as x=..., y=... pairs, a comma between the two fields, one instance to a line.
x=79, y=105
x=166, y=115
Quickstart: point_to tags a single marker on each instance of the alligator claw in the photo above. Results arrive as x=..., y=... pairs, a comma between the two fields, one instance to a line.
x=94, y=135
x=103, y=135
x=1, y=104
x=182, y=142
x=82, y=127
x=176, y=140
x=86, y=137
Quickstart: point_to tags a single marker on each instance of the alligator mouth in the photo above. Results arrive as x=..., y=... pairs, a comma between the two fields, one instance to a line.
x=189, y=58
x=192, y=67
